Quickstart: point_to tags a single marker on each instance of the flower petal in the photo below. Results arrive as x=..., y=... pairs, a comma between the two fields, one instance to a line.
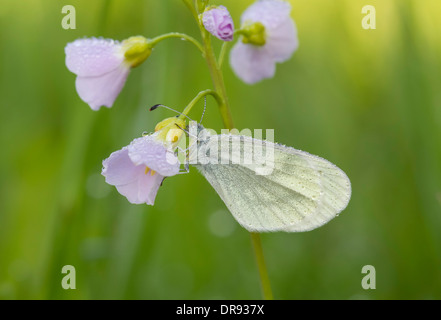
x=93, y=57
x=148, y=186
x=119, y=169
x=271, y=13
x=142, y=190
x=102, y=90
x=131, y=180
x=130, y=191
x=283, y=41
x=152, y=153
x=251, y=63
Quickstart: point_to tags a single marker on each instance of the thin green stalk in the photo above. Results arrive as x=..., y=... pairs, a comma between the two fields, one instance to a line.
x=196, y=5
x=224, y=108
x=199, y=97
x=183, y=36
x=218, y=80
x=222, y=53
x=191, y=8
x=264, y=279
x=104, y=13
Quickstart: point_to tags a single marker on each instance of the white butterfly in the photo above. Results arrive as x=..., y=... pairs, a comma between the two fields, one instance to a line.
x=293, y=191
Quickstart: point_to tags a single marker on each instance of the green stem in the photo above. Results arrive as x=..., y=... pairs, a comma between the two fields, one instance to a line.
x=264, y=279
x=218, y=80
x=183, y=36
x=191, y=8
x=224, y=108
x=197, y=5
x=199, y=97
x=222, y=53
x=104, y=14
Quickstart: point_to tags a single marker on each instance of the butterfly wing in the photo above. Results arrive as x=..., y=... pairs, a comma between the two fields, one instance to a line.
x=295, y=191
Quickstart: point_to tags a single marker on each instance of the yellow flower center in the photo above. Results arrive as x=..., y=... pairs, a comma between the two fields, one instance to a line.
x=147, y=169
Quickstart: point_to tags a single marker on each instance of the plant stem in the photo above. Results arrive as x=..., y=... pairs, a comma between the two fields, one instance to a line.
x=224, y=108
x=218, y=80
x=183, y=36
x=199, y=97
x=191, y=8
x=222, y=53
x=105, y=9
x=264, y=279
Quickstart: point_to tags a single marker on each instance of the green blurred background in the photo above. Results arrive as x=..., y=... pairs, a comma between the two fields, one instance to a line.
x=367, y=100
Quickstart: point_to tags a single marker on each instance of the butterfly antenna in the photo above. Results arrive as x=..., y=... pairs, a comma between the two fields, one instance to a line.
x=205, y=107
x=156, y=106
x=186, y=131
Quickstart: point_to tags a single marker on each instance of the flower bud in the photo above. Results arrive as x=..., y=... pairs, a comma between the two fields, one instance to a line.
x=218, y=21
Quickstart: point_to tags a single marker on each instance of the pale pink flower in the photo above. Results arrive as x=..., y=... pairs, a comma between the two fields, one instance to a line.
x=100, y=69
x=137, y=170
x=218, y=22
x=255, y=62
x=102, y=66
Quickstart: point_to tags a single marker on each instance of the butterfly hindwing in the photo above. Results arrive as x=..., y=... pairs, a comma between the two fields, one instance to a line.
x=277, y=188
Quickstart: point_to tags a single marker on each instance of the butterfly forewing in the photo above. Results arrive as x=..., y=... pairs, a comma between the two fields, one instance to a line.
x=271, y=187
